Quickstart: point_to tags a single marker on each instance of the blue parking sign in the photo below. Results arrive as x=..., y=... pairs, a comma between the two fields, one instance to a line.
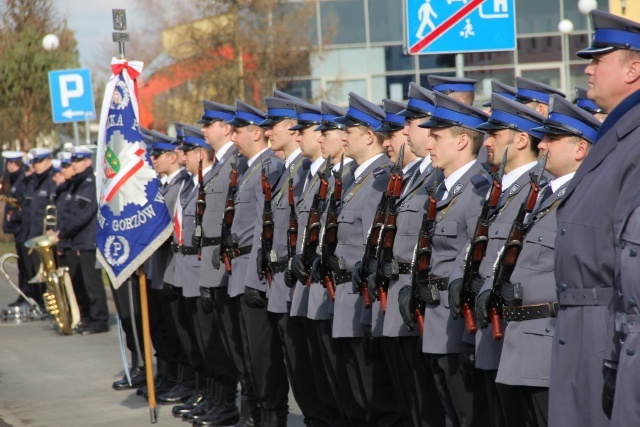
x=71, y=95
x=459, y=26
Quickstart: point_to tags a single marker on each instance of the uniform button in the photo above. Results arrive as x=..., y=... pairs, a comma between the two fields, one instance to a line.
x=540, y=239
x=632, y=303
x=442, y=229
x=561, y=341
x=564, y=230
x=561, y=286
x=630, y=352
x=632, y=252
x=496, y=233
x=547, y=329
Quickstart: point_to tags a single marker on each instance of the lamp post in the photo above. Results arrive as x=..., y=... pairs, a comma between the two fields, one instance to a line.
x=566, y=27
x=585, y=7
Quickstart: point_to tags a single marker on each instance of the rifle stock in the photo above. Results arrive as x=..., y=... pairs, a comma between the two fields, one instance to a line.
x=200, y=208
x=227, y=219
x=329, y=240
x=267, y=225
x=292, y=231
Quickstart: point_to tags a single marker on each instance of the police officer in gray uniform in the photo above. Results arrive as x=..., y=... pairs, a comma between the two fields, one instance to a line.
x=319, y=306
x=458, y=88
x=501, y=89
x=535, y=95
x=251, y=141
x=362, y=355
x=589, y=220
x=454, y=146
x=509, y=128
x=530, y=294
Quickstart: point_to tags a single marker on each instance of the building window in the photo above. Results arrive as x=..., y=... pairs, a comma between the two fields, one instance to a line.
x=337, y=91
x=391, y=87
x=344, y=21
x=539, y=49
x=539, y=16
x=385, y=20
x=340, y=62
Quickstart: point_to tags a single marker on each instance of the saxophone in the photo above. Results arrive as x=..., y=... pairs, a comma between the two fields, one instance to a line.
x=60, y=300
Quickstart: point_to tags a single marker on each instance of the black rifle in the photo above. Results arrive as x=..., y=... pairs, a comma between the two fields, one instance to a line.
x=421, y=262
x=226, y=245
x=478, y=247
x=508, y=256
x=311, y=238
x=292, y=232
x=201, y=204
x=384, y=253
x=329, y=240
x=267, y=225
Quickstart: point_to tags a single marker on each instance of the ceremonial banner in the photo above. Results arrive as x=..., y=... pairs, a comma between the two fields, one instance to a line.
x=133, y=220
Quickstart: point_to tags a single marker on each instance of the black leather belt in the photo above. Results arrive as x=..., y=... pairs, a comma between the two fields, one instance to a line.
x=280, y=266
x=442, y=283
x=241, y=251
x=530, y=312
x=211, y=241
x=404, y=268
x=340, y=278
x=187, y=250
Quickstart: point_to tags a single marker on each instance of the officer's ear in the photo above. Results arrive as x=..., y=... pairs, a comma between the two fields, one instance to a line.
x=542, y=109
x=522, y=140
x=463, y=141
x=581, y=150
x=633, y=66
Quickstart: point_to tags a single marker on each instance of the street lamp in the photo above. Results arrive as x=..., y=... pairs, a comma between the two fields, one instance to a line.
x=50, y=42
x=566, y=27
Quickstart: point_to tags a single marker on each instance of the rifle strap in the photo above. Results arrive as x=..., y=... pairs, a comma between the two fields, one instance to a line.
x=537, y=217
x=246, y=179
x=356, y=188
x=281, y=190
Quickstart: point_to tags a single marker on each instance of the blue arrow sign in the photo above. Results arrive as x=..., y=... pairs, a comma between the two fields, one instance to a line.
x=459, y=26
x=71, y=95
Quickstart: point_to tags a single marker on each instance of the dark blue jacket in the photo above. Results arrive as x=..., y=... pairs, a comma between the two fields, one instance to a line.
x=80, y=224
x=63, y=199
x=12, y=223
x=40, y=192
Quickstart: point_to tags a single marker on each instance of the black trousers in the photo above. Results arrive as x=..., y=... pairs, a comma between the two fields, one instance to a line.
x=75, y=272
x=227, y=316
x=266, y=357
x=163, y=332
x=495, y=404
x=92, y=278
x=524, y=405
x=370, y=382
x=301, y=370
x=186, y=334
x=23, y=278
x=32, y=265
x=218, y=364
x=465, y=406
x=128, y=319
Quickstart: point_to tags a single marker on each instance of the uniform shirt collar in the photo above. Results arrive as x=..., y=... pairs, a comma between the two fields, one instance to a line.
x=426, y=162
x=290, y=157
x=169, y=178
x=204, y=172
x=316, y=165
x=346, y=161
x=511, y=177
x=409, y=166
x=221, y=152
x=451, y=181
x=559, y=182
x=254, y=158
x=360, y=170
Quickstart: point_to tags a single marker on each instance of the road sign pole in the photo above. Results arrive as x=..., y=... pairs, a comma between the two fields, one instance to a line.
x=459, y=65
x=76, y=134
x=87, y=131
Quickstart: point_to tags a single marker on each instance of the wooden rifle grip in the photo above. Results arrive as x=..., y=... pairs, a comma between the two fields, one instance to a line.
x=199, y=254
x=469, y=320
x=267, y=274
x=419, y=318
x=366, y=298
x=496, y=325
x=382, y=296
x=307, y=280
x=227, y=263
x=330, y=290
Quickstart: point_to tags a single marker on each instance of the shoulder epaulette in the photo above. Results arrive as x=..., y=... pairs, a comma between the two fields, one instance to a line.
x=380, y=171
x=480, y=180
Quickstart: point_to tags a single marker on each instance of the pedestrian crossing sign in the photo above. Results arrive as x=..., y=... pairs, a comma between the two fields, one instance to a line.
x=459, y=26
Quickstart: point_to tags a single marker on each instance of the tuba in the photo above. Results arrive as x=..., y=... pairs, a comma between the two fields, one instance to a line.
x=60, y=300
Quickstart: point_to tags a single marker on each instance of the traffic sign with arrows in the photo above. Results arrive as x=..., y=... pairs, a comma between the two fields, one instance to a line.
x=71, y=95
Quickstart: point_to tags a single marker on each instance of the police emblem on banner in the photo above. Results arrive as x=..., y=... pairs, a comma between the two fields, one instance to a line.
x=133, y=220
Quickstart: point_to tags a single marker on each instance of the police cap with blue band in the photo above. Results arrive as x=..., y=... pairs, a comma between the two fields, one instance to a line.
x=361, y=113
x=246, y=115
x=13, y=156
x=39, y=154
x=508, y=114
x=160, y=143
x=501, y=89
x=420, y=102
x=214, y=112
x=56, y=165
x=447, y=85
x=329, y=114
x=278, y=109
x=611, y=32
x=585, y=103
x=179, y=135
x=193, y=138
x=392, y=121
x=65, y=158
x=532, y=91
x=451, y=112
x=568, y=119
x=308, y=115
x=80, y=153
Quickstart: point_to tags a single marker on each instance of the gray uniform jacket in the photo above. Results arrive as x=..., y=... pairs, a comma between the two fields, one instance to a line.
x=319, y=305
x=410, y=208
x=188, y=266
x=354, y=221
x=627, y=322
x=162, y=259
x=487, y=350
x=459, y=212
x=589, y=219
x=278, y=293
x=211, y=276
x=247, y=222
x=183, y=187
x=526, y=349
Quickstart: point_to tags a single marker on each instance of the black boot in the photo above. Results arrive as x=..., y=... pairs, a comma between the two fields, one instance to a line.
x=274, y=417
x=198, y=397
x=183, y=390
x=249, y=414
x=137, y=374
x=158, y=379
x=227, y=414
x=207, y=406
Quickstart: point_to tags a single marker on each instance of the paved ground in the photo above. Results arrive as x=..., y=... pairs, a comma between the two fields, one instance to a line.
x=48, y=380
